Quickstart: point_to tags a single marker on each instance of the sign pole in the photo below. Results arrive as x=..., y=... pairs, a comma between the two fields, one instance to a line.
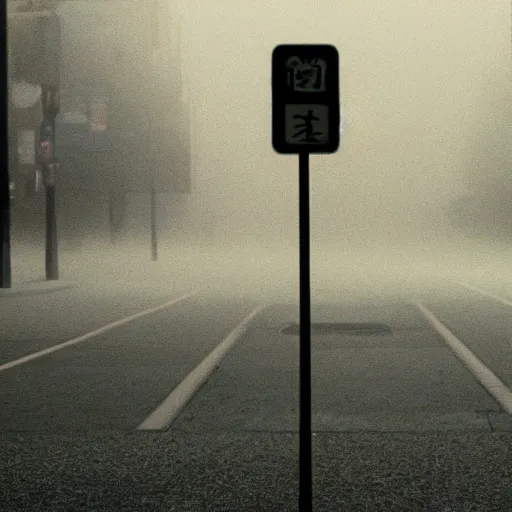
x=50, y=96
x=111, y=216
x=154, y=246
x=5, y=221
x=305, y=119
x=305, y=446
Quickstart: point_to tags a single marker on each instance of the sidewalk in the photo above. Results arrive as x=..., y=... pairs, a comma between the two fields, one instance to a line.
x=35, y=288
x=99, y=266
x=96, y=287
x=127, y=270
x=28, y=274
x=231, y=267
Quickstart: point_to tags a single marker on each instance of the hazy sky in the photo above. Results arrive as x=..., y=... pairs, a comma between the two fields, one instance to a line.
x=418, y=82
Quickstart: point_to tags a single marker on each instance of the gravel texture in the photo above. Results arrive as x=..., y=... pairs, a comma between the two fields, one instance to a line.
x=253, y=471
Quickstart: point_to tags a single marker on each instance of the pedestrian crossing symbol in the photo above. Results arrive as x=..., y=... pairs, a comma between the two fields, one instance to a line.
x=306, y=75
x=307, y=124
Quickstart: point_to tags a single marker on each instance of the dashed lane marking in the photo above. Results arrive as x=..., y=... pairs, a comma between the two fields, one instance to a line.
x=96, y=332
x=488, y=294
x=165, y=414
x=491, y=383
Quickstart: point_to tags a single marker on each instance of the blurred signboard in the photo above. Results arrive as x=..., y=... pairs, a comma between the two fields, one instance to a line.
x=305, y=99
x=27, y=147
x=121, y=121
x=98, y=118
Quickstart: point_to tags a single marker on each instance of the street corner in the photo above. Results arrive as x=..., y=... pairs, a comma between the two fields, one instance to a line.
x=36, y=288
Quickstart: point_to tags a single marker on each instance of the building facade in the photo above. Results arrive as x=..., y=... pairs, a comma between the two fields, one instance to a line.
x=123, y=126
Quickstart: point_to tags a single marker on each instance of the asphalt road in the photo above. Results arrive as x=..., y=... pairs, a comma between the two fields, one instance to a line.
x=399, y=422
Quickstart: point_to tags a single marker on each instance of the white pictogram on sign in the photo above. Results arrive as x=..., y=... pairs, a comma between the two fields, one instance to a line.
x=307, y=124
x=306, y=75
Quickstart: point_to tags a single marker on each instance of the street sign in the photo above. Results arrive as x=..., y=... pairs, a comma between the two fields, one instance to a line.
x=27, y=147
x=305, y=99
x=305, y=119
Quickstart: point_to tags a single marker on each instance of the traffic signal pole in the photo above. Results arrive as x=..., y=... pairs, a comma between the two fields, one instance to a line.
x=5, y=212
x=50, y=96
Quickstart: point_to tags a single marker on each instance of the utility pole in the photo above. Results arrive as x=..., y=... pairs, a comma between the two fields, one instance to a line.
x=5, y=209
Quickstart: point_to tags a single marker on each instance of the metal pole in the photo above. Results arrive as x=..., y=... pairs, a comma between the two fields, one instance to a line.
x=152, y=108
x=154, y=249
x=111, y=216
x=151, y=168
x=305, y=446
x=5, y=208
x=52, y=257
x=51, y=249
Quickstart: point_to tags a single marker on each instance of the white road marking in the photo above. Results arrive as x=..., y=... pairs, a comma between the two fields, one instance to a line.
x=165, y=414
x=488, y=294
x=96, y=332
x=492, y=384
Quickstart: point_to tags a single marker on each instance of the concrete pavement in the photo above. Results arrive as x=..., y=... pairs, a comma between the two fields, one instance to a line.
x=36, y=288
x=403, y=382
x=399, y=423
x=117, y=378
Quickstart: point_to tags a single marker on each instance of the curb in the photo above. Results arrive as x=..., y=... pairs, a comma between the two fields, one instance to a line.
x=36, y=288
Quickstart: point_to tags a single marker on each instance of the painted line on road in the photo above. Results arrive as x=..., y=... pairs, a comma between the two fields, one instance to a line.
x=96, y=332
x=167, y=412
x=483, y=292
x=491, y=383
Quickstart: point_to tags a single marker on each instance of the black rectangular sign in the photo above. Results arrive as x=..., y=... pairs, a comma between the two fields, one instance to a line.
x=305, y=99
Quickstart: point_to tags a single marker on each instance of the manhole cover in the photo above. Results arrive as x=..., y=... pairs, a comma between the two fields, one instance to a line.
x=363, y=329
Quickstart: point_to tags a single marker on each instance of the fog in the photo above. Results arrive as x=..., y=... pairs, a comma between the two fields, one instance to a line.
x=418, y=83
x=423, y=162
x=425, y=93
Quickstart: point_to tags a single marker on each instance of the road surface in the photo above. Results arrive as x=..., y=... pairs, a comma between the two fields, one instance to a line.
x=188, y=400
